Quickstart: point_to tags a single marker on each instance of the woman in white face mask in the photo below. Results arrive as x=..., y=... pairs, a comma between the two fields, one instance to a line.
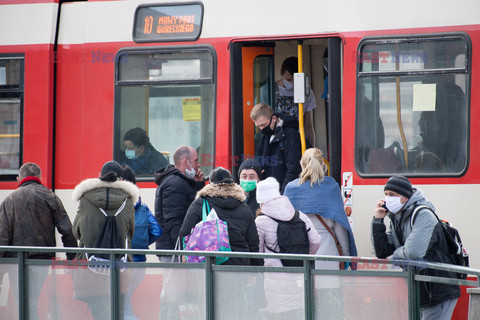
x=284, y=105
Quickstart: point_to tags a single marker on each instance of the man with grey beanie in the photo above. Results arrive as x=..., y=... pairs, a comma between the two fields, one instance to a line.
x=421, y=238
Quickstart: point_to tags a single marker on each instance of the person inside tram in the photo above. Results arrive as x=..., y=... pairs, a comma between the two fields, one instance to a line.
x=284, y=105
x=279, y=150
x=443, y=131
x=140, y=155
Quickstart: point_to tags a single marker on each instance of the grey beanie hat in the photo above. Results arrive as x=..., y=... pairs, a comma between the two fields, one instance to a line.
x=400, y=185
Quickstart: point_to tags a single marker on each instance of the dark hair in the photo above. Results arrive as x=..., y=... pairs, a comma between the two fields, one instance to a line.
x=129, y=174
x=110, y=176
x=138, y=136
x=290, y=64
x=111, y=171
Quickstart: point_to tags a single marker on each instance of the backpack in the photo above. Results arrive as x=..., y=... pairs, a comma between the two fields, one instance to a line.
x=108, y=237
x=457, y=253
x=292, y=237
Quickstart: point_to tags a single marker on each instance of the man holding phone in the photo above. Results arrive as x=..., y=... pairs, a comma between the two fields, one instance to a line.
x=420, y=239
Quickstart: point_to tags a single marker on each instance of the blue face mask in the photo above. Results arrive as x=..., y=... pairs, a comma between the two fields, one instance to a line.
x=130, y=154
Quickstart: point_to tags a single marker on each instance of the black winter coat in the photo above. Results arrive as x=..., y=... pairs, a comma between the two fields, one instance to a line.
x=280, y=158
x=228, y=200
x=175, y=193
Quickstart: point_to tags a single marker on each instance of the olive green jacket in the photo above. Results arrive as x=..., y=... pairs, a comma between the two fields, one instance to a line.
x=93, y=194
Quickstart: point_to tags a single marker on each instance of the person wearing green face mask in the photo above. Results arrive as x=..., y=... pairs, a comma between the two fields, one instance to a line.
x=250, y=172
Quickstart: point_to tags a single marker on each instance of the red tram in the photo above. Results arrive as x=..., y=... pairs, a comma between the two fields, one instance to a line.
x=75, y=76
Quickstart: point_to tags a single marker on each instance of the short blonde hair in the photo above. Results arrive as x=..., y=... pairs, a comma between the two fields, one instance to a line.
x=261, y=109
x=313, y=167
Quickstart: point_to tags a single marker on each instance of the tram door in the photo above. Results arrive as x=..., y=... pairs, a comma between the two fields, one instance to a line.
x=256, y=67
x=258, y=81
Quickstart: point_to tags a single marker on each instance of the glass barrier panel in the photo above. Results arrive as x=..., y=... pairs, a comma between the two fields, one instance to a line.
x=182, y=294
x=253, y=295
x=347, y=297
x=9, y=291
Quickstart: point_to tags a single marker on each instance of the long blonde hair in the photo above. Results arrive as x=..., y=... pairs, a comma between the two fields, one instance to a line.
x=313, y=167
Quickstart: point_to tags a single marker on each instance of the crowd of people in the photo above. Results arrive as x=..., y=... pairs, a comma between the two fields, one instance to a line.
x=291, y=186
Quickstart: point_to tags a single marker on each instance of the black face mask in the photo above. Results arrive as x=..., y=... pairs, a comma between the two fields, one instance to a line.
x=267, y=131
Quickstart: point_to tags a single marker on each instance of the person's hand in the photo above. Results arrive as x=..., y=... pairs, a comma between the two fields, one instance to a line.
x=380, y=211
x=199, y=175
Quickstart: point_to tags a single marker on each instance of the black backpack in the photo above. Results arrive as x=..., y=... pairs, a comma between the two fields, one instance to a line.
x=292, y=237
x=457, y=253
x=108, y=236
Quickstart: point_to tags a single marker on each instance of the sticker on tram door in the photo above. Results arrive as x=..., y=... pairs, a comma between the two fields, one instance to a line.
x=347, y=180
x=347, y=196
x=347, y=187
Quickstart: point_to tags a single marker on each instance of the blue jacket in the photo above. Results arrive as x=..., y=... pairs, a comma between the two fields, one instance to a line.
x=324, y=199
x=147, y=230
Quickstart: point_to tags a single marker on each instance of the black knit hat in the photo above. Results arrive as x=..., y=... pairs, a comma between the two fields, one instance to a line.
x=400, y=185
x=251, y=164
x=220, y=175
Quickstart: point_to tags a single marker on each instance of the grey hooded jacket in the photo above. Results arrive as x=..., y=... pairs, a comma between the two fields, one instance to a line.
x=424, y=241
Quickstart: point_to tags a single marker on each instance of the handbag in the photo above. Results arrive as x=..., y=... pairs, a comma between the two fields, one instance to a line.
x=210, y=234
x=339, y=247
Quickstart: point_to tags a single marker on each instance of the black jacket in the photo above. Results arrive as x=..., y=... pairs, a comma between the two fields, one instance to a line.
x=228, y=201
x=252, y=201
x=280, y=158
x=425, y=241
x=175, y=193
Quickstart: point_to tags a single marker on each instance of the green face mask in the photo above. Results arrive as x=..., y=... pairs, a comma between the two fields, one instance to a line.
x=248, y=185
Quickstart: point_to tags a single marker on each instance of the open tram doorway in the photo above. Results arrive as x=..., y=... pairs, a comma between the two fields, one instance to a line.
x=256, y=69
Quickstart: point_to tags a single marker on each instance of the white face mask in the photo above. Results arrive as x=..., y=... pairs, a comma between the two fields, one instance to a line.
x=287, y=84
x=393, y=204
x=190, y=172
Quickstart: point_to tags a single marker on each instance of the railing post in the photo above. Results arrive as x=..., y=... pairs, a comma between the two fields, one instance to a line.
x=22, y=288
x=309, y=288
x=209, y=261
x=413, y=295
x=114, y=280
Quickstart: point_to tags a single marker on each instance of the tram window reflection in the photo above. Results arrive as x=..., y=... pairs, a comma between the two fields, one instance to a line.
x=169, y=95
x=11, y=105
x=411, y=114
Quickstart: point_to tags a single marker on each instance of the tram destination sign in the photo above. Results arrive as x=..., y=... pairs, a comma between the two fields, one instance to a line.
x=170, y=22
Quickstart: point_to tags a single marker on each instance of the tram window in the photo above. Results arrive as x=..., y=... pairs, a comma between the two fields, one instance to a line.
x=169, y=94
x=11, y=104
x=412, y=106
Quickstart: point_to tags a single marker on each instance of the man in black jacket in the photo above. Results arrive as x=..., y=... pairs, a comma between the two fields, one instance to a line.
x=250, y=173
x=177, y=186
x=418, y=239
x=279, y=151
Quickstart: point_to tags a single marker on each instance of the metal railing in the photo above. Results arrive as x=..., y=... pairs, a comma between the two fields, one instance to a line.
x=209, y=290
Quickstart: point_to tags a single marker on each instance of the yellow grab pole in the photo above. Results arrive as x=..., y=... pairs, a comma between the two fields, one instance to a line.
x=300, y=105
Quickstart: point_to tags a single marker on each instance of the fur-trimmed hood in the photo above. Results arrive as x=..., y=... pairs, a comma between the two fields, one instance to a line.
x=223, y=190
x=91, y=184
